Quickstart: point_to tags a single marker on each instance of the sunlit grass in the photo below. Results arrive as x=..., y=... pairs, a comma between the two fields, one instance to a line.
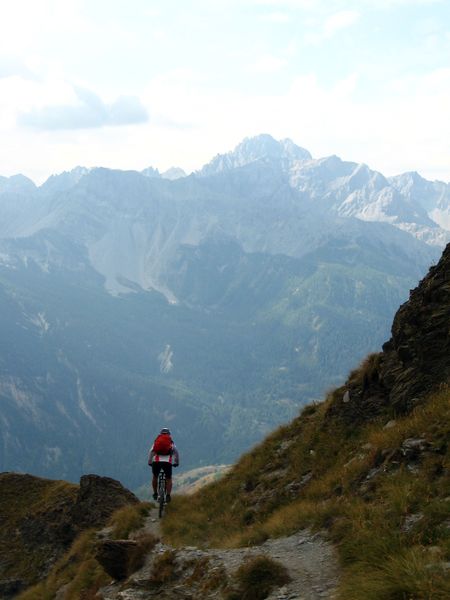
x=128, y=519
x=360, y=488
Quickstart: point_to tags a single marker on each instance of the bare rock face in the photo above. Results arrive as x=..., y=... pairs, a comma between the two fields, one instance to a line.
x=98, y=497
x=413, y=363
x=420, y=343
x=114, y=556
x=11, y=587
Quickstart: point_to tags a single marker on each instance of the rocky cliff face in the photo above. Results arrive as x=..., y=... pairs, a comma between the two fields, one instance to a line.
x=414, y=362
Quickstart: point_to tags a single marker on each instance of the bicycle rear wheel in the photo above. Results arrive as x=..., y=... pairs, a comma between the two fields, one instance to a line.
x=161, y=493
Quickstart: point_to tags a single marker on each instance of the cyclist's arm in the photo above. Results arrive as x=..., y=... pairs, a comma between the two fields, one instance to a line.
x=176, y=456
x=151, y=456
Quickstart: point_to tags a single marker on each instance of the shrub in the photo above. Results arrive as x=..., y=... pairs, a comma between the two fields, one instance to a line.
x=257, y=577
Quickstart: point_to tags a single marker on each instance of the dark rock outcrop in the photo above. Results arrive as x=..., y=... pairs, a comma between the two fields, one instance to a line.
x=11, y=587
x=413, y=363
x=98, y=497
x=114, y=556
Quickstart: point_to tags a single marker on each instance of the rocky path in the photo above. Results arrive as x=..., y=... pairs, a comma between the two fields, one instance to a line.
x=310, y=560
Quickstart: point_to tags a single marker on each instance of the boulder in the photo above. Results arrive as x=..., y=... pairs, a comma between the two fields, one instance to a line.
x=114, y=556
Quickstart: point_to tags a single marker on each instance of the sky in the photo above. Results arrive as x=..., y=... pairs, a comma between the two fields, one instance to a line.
x=174, y=82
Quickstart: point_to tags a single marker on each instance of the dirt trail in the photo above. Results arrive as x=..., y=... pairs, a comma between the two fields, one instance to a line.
x=310, y=560
x=152, y=523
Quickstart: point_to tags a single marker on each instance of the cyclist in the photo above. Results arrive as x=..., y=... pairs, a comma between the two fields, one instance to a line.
x=163, y=455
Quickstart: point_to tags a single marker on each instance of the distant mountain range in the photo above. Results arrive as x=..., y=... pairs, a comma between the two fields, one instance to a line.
x=216, y=303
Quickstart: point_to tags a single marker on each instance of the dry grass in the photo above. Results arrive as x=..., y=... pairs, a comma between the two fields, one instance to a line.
x=256, y=578
x=387, y=512
x=408, y=574
x=367, y=372
x=24, y=497
x=164, y=568
x=78, y=572
x=128, y=519
x=361, y=488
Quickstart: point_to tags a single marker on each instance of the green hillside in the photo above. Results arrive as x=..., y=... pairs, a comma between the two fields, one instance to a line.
x=83, y=382
x=369, y=468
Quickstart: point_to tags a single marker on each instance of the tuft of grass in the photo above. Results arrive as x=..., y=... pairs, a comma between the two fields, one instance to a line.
x=164, y=568
x=407, y=574
x=256, y=578
x=367, y=372
x=128, y=519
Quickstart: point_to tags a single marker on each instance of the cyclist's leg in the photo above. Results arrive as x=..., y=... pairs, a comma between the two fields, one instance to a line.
x=156, y=468
x=168, y=471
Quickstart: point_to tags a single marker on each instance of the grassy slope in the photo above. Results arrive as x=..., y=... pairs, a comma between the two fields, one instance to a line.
x=387, y=510
x=33, y=500
x=78, y=572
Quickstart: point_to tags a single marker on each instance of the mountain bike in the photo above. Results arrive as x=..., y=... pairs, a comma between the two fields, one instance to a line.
x=161, y=492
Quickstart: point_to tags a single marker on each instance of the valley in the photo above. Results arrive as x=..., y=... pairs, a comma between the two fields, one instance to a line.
x=217, y=303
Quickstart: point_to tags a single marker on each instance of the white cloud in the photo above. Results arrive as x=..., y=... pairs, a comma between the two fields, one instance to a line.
x=276, y=17
x=11, y=66
x=268, y=64
x=89, y=111
x=332, y=25
x=405, y=129
x=24, y=22
x=302, y=4
x=393, y=3
x=340, y=20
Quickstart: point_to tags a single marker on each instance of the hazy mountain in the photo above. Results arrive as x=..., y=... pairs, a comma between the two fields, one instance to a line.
x=217, y=303
x=16, y=184
x=283, y=152
x=172, y=173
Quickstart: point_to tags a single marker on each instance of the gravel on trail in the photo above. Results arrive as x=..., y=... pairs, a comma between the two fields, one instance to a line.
x=309, y=558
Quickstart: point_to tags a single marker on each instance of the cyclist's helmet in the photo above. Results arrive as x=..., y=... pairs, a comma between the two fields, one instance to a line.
x=165, y=430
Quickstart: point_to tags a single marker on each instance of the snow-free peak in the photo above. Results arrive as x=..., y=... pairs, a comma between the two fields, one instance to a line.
x=252, y=149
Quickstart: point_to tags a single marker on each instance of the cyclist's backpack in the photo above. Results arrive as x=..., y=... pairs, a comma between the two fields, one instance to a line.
x=163, y=444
